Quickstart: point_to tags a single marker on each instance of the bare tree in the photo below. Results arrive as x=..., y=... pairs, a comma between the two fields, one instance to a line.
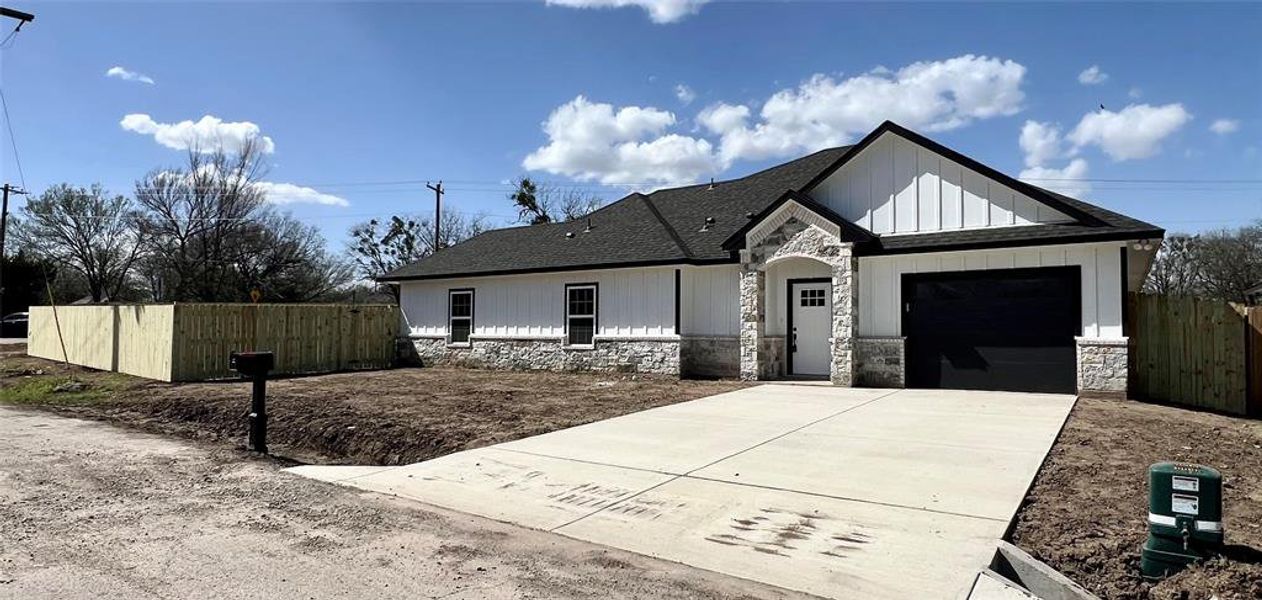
x=546, y=203
x=1230, y=262
x=87, y=231
x=214, y=238
x=1215, y=264
x=377, y=248
x=1175, y=270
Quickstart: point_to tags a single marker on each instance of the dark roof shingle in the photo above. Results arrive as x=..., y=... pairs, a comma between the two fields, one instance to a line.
x=663, y=227
x=669, y=226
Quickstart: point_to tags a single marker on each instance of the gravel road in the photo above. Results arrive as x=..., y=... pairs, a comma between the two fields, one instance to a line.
x=88, y=510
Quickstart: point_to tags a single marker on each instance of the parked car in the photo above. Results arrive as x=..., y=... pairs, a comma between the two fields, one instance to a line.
x=14, y=325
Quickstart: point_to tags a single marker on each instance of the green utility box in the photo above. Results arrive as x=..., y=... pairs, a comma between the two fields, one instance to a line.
x=1185, y=517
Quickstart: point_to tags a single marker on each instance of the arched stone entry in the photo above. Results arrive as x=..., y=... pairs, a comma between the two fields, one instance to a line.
x=796, y=232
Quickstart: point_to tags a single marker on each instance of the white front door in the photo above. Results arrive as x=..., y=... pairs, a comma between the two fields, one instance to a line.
x=811, y=310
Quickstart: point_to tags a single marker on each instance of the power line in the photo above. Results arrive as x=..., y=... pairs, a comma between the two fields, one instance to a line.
x=17, y=159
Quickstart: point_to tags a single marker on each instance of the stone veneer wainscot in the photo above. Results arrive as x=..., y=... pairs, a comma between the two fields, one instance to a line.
x=1103, y=366
x=657, y=356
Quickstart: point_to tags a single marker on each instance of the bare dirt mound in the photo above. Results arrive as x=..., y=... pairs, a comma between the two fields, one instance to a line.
x=371, y=417
x=1086, y=514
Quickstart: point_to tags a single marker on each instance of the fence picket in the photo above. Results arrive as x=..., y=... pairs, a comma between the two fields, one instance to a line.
x=191, y=342
x=1196, y=352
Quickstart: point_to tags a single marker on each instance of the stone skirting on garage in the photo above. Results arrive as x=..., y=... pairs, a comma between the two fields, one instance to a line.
x=710, y=356
x=880, y=362
x=657, y=356
x=1103, y=366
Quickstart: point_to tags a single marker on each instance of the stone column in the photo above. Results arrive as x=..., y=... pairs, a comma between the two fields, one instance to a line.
x=753, y=297
x=845, y=317
x=1103, y=367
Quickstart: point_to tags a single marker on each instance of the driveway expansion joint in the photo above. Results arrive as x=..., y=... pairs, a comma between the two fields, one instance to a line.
x=729, y=456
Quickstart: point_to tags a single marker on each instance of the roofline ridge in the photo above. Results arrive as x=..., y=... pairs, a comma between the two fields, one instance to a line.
x=754, y=174
x=674, y=235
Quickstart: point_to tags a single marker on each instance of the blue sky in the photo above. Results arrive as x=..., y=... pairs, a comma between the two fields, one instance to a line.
x=355, y=94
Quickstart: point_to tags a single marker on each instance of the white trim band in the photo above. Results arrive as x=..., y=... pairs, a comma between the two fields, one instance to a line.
x=1168, y=521
x=1211, y=526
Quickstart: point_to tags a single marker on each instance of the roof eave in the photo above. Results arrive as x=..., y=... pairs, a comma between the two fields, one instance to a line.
x=1104, y=235
x=562, y=269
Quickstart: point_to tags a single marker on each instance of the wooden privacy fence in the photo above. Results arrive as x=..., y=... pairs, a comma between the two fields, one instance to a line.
x=191, y=342
x=1197, y=352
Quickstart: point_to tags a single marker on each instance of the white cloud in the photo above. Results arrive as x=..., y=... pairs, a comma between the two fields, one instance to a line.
x=594, y=142
x=1092, y=76
x=1068, y=180
x=1224, y=126
x=823, y=112
x=660, y=11
x=207, y=134
x=1135, y=93
x=590, y=141
x=721, y=118
x=126, y=75
x=1041, y=142
x=685, y=94
x=1131, y=133
x=288, y=193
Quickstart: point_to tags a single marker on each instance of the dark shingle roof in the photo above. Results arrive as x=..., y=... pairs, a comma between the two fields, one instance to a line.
x=669, y=226
x=663, y=227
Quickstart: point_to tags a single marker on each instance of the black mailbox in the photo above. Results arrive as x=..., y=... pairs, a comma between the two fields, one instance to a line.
x=251, y=363
x=255, y=365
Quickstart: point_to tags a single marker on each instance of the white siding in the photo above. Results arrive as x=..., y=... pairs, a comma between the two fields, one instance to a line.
x=632, y=302
x=778, y=276
x=896, y=186
x=710, y=301
x=880, y=282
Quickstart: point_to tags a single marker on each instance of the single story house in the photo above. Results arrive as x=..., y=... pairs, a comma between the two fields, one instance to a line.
x=893, y=262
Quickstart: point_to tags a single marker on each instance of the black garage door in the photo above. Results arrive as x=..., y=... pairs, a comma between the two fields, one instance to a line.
x=1009, y=329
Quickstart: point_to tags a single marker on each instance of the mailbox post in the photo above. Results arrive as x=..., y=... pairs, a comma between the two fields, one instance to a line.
x=255, y=365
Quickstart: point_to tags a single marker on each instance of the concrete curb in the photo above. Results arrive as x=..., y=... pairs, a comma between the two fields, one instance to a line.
x=1036, y=577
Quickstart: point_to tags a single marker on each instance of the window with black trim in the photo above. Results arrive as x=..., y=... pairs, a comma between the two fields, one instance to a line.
x=580, y=314
x=812, y=297
x=459, y=315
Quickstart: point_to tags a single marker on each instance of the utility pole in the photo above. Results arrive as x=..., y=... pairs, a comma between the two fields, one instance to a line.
x=4, y=222
x=22, y=17
x=438, y=213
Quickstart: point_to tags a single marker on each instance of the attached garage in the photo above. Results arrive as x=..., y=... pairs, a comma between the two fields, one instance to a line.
x=1004, y=329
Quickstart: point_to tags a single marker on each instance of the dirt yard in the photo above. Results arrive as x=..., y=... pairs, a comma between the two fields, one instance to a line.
x=1086, y=515
x=372, y=417
x=95, y=511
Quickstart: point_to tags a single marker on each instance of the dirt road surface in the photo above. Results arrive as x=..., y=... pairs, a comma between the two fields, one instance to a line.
x=91, y=511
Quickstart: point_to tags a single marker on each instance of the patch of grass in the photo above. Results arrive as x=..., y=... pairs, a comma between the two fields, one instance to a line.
x=58, y=390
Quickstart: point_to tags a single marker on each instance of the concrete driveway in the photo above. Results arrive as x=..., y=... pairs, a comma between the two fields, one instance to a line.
x=833, y=491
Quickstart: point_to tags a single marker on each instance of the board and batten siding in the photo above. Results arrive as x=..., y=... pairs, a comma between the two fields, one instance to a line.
x=637, y=302
x=896, y=186
x=710, y=301
x=880, y=282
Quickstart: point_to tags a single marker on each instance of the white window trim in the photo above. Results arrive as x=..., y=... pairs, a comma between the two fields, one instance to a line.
x=595, y=316
x=451, y=293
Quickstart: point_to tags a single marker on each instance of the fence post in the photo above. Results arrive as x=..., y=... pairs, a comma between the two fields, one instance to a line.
x=1253, y=354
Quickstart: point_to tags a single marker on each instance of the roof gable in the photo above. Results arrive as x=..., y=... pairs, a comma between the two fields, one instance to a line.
x=706, y=223
x=1038, y=194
